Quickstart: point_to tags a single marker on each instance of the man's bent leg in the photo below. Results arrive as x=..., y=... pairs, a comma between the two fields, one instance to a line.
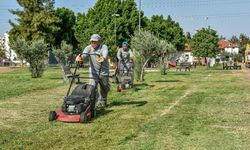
x=104, y=88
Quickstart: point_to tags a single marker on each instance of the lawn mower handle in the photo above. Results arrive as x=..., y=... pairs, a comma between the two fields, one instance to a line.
x=77, y=66
x=73, y=77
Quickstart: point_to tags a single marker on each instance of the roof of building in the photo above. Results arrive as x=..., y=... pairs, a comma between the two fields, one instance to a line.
x=226, y=44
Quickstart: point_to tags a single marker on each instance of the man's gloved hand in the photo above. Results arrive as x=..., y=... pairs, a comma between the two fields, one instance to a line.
x=79, y=58
x=100, y=58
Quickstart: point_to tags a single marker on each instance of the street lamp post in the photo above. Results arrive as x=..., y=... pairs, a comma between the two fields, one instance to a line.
x=115, y=15
x=139, y=15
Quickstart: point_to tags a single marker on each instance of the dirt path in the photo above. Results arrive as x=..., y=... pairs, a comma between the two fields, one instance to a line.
x=6, y=69
x=247, y=73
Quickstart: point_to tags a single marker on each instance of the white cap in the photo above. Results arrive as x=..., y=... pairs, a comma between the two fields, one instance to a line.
x=95, y=37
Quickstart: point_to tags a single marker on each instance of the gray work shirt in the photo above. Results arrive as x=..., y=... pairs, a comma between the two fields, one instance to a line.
x=124, y=55
x=95, y=66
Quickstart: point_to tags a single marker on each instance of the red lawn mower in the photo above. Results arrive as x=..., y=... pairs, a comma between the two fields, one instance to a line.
x=79, y=106
x=123, y=76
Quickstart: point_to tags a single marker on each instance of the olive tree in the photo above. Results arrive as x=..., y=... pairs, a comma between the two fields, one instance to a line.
x=146, y=46
x=34, y=53
x=63, y=52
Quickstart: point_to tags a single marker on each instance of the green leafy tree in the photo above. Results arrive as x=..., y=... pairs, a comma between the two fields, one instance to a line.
x=164, y=51
x=98, y=20
x=35, y=21
x=168, y=30
x=82, y=30
x=101, y=19
x=67, y=21
x=188, y=40
x=235, y=40
x=244, y=40
x=205, y=43
x=222, y=37
x=127, y=23
x=34, y=53
x=147, y=48
x=63, y=53
x=188, y=35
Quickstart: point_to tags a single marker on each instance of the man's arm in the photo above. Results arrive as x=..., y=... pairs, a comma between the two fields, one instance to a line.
x=105, y=52
x=103, y=55
x=81, y=57
x=86, y=51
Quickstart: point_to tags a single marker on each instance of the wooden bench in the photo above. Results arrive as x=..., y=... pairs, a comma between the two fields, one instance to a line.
x=231, y=67
x=68, y=75
x=237, y=67
x=183, y=65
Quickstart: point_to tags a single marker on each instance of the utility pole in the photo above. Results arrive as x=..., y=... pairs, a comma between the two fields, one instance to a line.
x=206, y=20
x=115, y=15
x=139, y=15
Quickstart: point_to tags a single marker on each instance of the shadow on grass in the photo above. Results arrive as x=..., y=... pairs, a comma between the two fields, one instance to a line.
x=180, y=73
x=136, y=103
x=168, y=81
x=141, y=86
x=217, y=69
x=102, y=112
x=56, y=78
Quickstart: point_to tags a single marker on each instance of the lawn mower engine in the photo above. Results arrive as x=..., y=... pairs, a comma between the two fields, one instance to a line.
x=81, y=99
x=75, y=108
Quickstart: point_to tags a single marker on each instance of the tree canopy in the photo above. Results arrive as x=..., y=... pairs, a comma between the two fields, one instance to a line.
x=244, y=40
x=168, y=30
x=67, y=21
x=205, y=43
x=35, y=21
x=103, y=18
x=34, y=32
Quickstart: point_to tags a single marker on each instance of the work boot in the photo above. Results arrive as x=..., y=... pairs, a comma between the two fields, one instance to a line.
x=100, y=104
x=103, y=102
x=97, y=104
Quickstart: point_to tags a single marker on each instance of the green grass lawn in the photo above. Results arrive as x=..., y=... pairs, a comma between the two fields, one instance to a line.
x=201, y=109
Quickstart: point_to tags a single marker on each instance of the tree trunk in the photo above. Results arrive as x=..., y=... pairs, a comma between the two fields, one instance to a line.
x=163, y=64
x=142, y=70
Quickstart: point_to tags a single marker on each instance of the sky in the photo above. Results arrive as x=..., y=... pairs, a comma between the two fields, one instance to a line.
x=227, y=17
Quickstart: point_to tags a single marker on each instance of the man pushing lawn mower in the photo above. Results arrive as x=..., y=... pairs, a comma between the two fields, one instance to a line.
x=80, y=106
x=124, y=72
x=99, y=67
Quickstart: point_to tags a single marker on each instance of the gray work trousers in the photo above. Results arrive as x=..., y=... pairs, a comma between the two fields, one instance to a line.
x=103, y=81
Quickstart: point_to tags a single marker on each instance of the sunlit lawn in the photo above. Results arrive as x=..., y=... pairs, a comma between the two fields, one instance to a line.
x=201, y=109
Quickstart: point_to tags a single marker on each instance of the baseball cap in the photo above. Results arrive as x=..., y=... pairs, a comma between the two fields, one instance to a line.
x=124, y=43
x=95, y=37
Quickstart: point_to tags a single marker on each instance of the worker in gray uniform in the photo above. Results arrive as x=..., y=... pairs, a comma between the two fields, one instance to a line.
x=99, y=66
x=125, y=57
